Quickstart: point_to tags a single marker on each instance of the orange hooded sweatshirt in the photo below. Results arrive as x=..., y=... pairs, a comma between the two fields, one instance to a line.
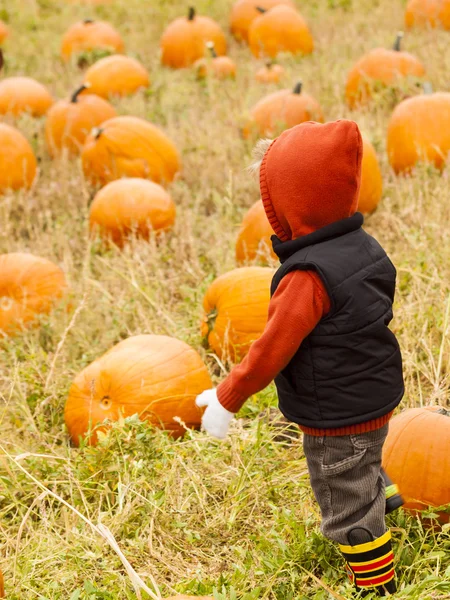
x=309, y=178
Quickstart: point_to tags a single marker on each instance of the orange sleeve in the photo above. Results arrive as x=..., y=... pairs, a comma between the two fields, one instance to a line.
x=295, y=309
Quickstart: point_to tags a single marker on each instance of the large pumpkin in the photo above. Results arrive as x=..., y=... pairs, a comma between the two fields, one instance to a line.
x=24, y=95
x=371, y=180
x=17, y=160
x=116, y=75
x=154, y=376
x=379, y=69
x=253, y=241
x=4, y=32
x=130, y=206
x=89, y=35
x=280, y=29
x=281, y=110
x=428, y=13
x=29, y=286
x=416, y=455
x=70, y=121
x=419, y=130
x=183, y=42
x=244, y=12
x=270, y=73
x=129, y=147
x=236, y=306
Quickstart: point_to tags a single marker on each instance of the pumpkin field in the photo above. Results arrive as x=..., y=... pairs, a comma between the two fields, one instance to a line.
x=135, y=269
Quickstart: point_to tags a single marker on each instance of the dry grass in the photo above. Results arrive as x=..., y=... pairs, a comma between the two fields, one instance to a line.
x=197, y=515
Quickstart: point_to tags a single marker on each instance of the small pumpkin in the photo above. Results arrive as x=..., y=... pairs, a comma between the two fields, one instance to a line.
x=416, y=455
x=24, y=95
x=281, y=110
x=253, y=242
x=220, y=67
x=371, y=188
x=419, y=130
x=4, y=32
x=116, y=75
x=155, y=376
x=380, y=68
x=428, y=13
x=69, y=122
x=130, y=206
x=183, y=42
x=244, y=12
x=235, y=311
x=89, y=35
x=129, y=147
x=280, y=29
x=29, y=286
x=18, y=163
x=270, y=73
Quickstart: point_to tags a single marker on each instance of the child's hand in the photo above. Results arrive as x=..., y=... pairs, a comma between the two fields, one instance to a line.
x=216, y=419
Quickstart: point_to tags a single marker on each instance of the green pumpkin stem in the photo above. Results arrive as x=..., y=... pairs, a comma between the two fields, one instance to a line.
x=298, y=88
x=191, y=13
x=212, y=49
x=77, y=92
x=261, y=9
x=427, y=88
x=398, y=41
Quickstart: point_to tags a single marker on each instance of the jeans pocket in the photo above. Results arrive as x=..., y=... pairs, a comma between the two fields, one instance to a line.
x=343, y=465
x=371, y=439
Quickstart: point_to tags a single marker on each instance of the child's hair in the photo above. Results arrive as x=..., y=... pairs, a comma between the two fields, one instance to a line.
x=258, y=154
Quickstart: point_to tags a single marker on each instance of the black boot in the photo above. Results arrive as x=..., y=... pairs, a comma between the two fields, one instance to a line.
x=370, y=565
x=393, y=497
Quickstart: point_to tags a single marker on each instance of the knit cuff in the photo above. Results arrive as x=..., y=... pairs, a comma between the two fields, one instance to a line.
x=229, y=398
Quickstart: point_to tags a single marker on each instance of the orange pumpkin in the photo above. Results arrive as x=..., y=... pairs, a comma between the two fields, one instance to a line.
x=253, y=241
x=4, y=32
x=24, y=95
x=18, y=163
x=428, y=13
x=380, y=68
x=89, y=35
x=183, y=42
x=416, y=455
x=235, y=307
x=270, y=73
x=129, y=147
x=282, y=110
x=70, y=121
x=130, y=206
x=371, y=180
x=244, y=12
x=280, y=29
x=116, y=75
x=154, y=376
x=29, y=286
x=221, y=67
x=419, y=130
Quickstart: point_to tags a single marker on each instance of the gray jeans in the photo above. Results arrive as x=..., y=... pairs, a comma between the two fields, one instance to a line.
x=346, y=479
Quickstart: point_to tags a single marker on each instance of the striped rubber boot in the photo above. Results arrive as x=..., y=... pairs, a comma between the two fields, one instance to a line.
x=370, y=566
x=393, y=498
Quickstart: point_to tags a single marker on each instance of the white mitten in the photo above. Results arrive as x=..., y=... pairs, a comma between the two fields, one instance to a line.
x=216, y=419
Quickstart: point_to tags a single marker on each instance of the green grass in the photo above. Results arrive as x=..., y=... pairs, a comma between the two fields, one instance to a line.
x=234, y=518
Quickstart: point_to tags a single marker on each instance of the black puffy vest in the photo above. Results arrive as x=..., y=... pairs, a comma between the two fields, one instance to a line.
x=349, y=369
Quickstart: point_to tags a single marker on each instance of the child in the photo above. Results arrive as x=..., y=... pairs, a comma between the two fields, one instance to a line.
x=337, y=366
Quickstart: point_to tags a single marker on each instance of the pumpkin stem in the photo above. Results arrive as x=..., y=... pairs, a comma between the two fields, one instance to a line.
x=298, y=88
x=211, y=48
x=88, y=21
x=398, y=41
x=191, y=13
x=77, y=92
x=97, y=132
x=427, y=88
x=269, y=64
x=261, y=9
x=443, y=411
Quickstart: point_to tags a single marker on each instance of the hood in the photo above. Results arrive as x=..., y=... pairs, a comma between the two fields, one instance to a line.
x=310, y=177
